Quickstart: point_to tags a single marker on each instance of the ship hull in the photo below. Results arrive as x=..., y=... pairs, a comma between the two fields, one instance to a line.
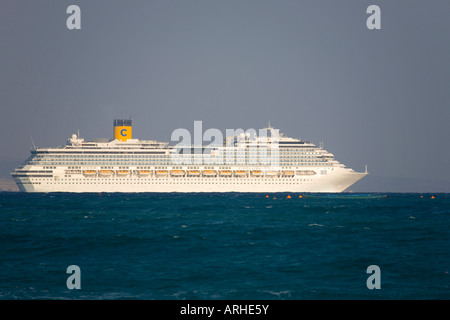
x=332, y=182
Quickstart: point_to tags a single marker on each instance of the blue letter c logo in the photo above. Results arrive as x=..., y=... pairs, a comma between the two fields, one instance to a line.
x=123, y=134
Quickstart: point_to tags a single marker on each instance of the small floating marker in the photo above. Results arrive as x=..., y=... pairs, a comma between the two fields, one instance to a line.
x=421, y=196
x=432, y=197
x=300, y=196
x=289, y=196
x=267, y=196
x=274, y=197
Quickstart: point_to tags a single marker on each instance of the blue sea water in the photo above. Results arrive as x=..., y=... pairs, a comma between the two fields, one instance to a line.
x=224, y=246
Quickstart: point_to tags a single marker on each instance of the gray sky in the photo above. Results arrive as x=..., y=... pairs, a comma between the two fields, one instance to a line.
x=313, y=68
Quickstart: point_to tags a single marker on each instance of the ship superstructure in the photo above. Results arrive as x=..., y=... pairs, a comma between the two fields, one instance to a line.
x=273, y=163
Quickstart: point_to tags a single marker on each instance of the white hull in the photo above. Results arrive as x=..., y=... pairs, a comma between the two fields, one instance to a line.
x=334, y=181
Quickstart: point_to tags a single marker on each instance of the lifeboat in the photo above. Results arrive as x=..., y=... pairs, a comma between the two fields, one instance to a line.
x=225, y=173
x=144, y=173
x=306, y=172
x=193, y=173
x=240, y=173
x=106, y=173
x=288, y=173
x=122, y=173
x=257, y=173
x=177, y=173
x=89, y=173
x=209, y=173
x=161, y=173
x=272, y=174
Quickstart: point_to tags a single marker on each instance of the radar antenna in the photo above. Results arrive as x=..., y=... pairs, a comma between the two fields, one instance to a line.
x=34, y=146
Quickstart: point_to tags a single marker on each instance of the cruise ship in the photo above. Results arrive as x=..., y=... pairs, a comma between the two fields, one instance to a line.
x=266, y=163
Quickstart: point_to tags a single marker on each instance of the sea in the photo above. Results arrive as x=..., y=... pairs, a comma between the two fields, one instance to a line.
x=224, y=246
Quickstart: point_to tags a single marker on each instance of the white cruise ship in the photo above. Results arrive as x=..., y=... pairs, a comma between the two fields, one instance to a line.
x=273, y=163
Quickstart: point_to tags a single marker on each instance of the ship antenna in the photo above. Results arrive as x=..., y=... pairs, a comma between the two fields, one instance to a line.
x=34, y=146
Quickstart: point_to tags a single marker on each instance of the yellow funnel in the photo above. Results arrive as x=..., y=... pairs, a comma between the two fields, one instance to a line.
x=122, y=129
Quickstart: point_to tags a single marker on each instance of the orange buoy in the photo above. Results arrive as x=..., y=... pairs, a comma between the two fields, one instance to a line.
x=267, y=196
x=288, y=196
x=432, y=197
x=300, y=196
x=421, y=196
x=274, y=197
